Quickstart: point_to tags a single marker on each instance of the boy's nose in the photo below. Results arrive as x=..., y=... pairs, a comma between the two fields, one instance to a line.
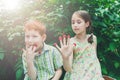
x=30, y=39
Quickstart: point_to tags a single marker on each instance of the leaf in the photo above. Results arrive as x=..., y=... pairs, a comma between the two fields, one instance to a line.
x=117, y=65
x=112, y=46
x=67, y=2
x=19, y=73
x=53, y=1
x=1, y=30
x=117, y=34
x=1, y=56
x=104, y=70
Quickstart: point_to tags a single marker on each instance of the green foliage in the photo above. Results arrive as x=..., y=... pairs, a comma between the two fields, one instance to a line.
x=107, y=29
x=2, y=54
x=19, y=69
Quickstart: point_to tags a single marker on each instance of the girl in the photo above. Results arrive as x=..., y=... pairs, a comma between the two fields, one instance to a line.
x=80, y=60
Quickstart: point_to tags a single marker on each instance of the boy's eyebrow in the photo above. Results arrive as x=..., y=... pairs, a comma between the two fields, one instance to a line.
x=78, y=20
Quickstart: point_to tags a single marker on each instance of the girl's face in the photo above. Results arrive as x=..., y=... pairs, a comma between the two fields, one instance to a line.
x=34, y=39
x=78, y=24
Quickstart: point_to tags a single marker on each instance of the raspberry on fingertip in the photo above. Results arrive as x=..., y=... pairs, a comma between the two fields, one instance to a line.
x=60, y=38
x=55, y=44
x=74, y=44
x=68, y=36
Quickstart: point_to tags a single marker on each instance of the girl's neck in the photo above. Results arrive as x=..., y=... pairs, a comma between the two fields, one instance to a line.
x=81, y=37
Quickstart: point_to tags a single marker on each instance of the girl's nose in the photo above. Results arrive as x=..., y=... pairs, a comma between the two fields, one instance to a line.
x=75, y=24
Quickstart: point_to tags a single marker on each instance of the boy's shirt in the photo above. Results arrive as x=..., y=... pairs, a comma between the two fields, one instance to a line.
x=46, y=63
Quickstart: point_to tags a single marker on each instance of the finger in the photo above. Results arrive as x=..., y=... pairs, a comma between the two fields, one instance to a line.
x=24, y=52
x=34, y=48
x=68, y=39
x=60, y=39
x=26, y=47
x=36, y=53
x=30, y=48
x=74, y=45
x=55, y=44
x=64, y=39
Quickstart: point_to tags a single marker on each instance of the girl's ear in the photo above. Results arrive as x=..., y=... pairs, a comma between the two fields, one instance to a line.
x=87, y=24
x=44, y=37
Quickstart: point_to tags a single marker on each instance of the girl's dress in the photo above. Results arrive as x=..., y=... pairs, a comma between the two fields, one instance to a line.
x=85, y=64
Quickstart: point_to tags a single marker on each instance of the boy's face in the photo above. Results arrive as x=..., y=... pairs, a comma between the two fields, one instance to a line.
x=34, y=39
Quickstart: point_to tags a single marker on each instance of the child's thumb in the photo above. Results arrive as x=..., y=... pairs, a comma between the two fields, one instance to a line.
x=24, y=52
x=36, y=53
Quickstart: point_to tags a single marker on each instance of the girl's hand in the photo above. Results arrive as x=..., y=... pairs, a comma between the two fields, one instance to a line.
x=66, y=48
x=29, y=53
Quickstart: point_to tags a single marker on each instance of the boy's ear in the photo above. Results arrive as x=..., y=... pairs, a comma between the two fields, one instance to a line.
x=44, y=37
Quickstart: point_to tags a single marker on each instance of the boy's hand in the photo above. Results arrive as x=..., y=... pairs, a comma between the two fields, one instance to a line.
x=29, y=53
x=66, y=48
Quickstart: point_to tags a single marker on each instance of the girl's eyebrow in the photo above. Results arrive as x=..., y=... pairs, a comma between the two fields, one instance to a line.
x=72, y=20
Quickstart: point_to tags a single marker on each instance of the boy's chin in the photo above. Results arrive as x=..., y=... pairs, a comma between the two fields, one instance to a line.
x=38, y=50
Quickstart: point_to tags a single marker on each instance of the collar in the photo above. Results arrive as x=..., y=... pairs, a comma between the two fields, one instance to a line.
x=45, y=49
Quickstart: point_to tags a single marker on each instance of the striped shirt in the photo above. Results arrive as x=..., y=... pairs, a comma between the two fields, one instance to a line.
x=45, y=63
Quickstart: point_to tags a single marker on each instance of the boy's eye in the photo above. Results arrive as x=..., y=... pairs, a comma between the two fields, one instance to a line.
x=78, y=22
x=27, y=36
x=73, y=22
x=35, y=36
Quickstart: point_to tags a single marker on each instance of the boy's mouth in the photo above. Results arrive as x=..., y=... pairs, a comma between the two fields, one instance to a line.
x=34, y=45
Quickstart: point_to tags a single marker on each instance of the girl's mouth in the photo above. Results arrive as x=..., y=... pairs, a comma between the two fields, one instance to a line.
x=76, y=29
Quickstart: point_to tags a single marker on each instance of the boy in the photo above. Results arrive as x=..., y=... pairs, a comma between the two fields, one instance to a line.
x=40, y=61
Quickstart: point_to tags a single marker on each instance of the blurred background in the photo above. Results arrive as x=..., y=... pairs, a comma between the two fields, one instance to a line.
x=56, y=14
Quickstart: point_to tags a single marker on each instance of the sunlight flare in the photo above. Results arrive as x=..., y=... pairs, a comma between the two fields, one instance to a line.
x=11, y=4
